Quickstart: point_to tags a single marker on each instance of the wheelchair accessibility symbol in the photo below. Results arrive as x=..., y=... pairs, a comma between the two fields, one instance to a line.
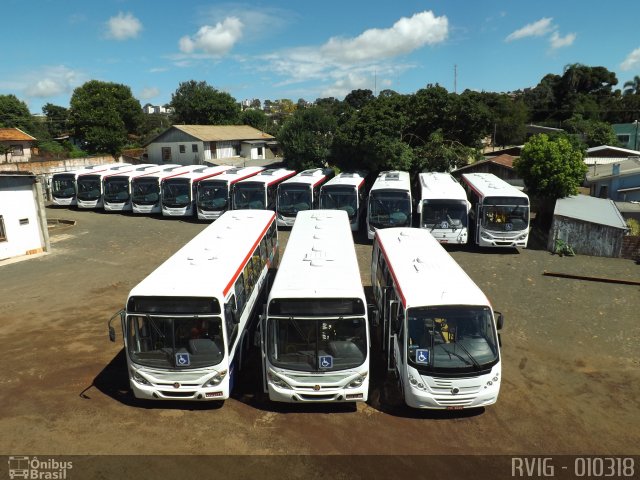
x=326, y=361
x=422, y=356
x=182, y=360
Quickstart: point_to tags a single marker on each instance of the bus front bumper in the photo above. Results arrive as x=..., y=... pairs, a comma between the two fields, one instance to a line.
x=319, y=394
x=188, y=393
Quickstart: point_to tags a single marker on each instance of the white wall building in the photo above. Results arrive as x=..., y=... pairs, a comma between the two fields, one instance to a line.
x=23, y=222
x=197, y=144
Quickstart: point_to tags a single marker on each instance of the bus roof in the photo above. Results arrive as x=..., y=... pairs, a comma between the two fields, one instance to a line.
x=392, y=180
x=168, y=171
x=424, y=272
x=270, y=176
x=312, y=176
x=355, y=179
x=209, y=264
x=488, y=185
x=119, y=169
x=201, y=172
x=236, y=174
x=320, y=258
x=438, y=185
x=139, y=171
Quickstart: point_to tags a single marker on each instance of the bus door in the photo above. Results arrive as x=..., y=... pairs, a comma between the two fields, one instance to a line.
x=478, y=222
x=393, y=336
x=261, y=336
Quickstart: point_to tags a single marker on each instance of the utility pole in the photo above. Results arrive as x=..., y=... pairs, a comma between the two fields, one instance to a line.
x=455, y=79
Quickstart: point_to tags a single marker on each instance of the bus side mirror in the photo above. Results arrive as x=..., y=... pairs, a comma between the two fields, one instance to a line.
x=112, y=334
x=499, y=320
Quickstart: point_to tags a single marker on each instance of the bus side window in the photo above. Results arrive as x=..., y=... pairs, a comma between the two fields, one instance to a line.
x=271, y=197
x=231, y=318
x=240, y=291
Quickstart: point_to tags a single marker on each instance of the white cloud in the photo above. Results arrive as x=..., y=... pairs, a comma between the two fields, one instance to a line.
x=347, y=61
x=217, y=40
x=556, y=41
x=123, y=26
x=632, y=60
x=535, y=29
x=406, y=35
x=148, y=93
x=52, y=81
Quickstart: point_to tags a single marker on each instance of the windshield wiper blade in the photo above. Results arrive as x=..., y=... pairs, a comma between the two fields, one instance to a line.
x=471, y=357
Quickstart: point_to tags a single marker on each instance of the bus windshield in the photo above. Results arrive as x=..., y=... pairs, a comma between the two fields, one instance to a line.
x=64, y=186
x=389, y=209
x=340, y=198
x=317, y=344
x=89, y=187
x=445, y=338
x=505, y=214
x=213, y=195
x=116, y=190
x=157, y=341
x=249, y=196
x=146, y=191
x=176, y=193
x=293, y=199
x=444, y=214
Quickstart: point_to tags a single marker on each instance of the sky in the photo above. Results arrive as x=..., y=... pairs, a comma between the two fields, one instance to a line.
x=276, y=49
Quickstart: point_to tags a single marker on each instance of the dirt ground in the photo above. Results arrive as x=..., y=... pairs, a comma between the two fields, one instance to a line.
x=570, y=365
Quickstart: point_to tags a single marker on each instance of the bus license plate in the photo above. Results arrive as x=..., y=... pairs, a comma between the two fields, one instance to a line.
x=455, y=407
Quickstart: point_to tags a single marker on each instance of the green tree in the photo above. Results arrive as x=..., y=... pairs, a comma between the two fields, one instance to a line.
x=375, y=137
x=551, y=169
x=306, y=138
x=441, y=155
x=359, y=98
x=255, y=118
x=14, y=113
x=593, y=132
x=632, y=87
x=57, y=119
x=103, y=114
x=197, y=103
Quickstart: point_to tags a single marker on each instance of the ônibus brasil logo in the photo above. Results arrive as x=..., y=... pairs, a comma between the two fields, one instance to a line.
x=34, y=468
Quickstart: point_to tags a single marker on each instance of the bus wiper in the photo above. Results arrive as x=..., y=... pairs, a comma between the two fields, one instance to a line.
x=457, y=355
x=471, y=357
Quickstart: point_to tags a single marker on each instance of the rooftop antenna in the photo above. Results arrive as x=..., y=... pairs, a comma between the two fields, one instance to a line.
x=455, y=79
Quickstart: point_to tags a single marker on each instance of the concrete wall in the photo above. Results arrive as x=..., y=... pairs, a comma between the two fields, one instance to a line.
x=53, y=166
x=586, y=238
x=631, y=247
x=23, y=223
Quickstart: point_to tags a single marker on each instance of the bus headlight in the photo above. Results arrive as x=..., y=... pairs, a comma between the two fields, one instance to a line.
x=277, y=381
x=357, y=382
x=216, y=379
x=415, y=383
x=139, y=378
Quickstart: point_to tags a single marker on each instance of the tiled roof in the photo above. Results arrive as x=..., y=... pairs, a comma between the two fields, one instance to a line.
x=8, y=134
x=217, y=133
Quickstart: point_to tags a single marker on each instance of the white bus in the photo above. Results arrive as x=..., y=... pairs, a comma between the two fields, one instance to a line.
x=117, y=188
x=186, y=325
x=389, y=202
x=214, y=194
x=64, y=185
x=300, y=192
x=315, y=333
x=145, y=191
x=443, y=208
x=178, y=197
x=90, y=185
x=437, y=326
x=346, y=191
x=260, y=191
x=499, y=213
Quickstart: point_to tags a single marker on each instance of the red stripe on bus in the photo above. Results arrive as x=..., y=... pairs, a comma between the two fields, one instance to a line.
x=242, y=178
x=395, y=279
x=322, y=179
x=281, y=179
x=247, y=257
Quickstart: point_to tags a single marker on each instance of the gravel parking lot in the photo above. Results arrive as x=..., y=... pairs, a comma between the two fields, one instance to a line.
x=570, y=362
